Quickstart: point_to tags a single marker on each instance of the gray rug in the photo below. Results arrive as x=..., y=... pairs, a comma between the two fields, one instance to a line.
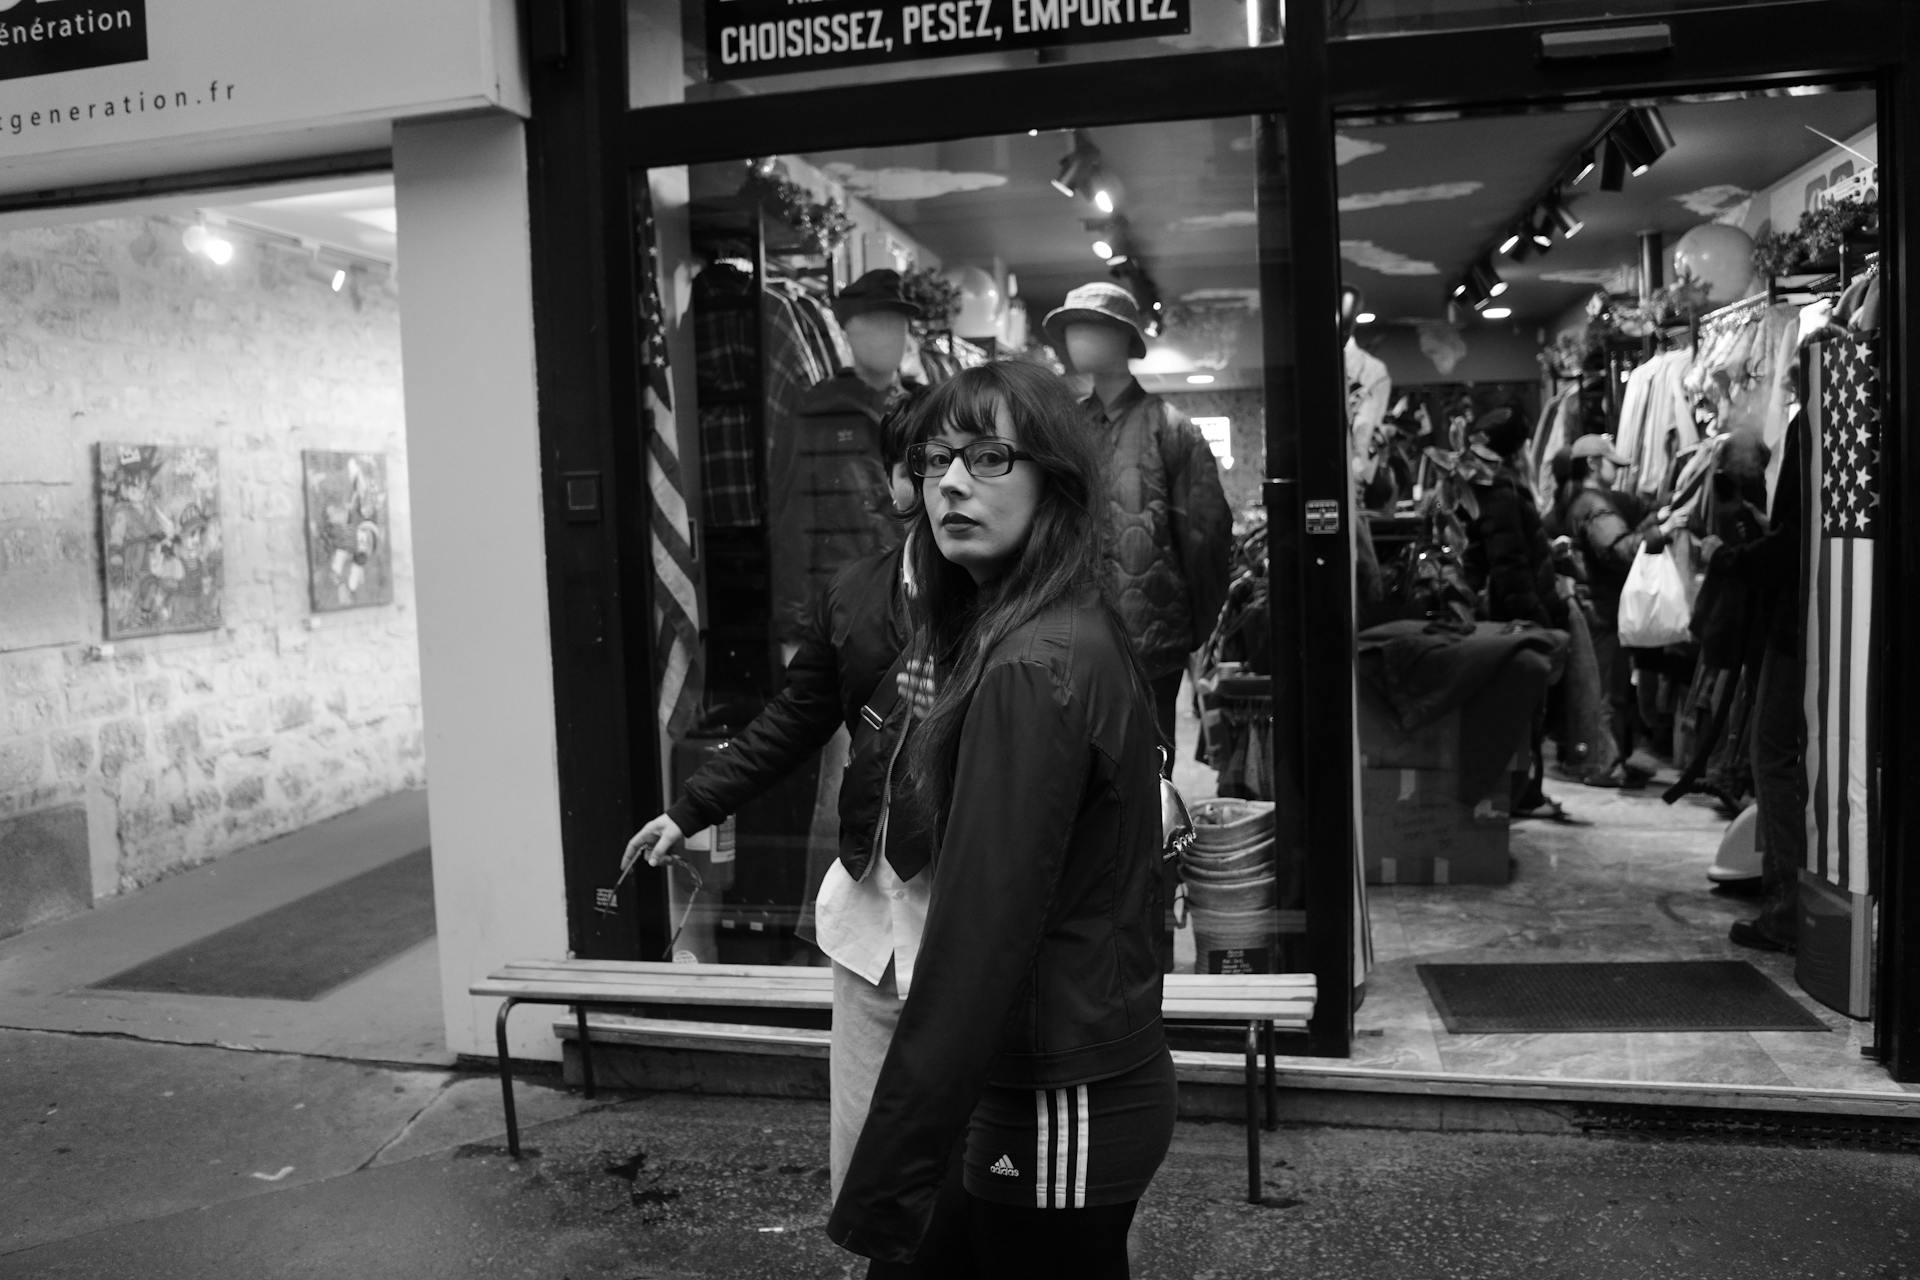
x=306, y=948
x=1679, y=995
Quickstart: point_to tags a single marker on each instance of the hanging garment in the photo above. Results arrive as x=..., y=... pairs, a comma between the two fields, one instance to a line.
x=1369, y=392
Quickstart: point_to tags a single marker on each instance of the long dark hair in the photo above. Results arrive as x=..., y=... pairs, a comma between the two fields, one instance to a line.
x=952, y=623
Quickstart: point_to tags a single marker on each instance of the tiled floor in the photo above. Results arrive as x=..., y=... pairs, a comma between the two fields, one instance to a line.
x=1630, y=886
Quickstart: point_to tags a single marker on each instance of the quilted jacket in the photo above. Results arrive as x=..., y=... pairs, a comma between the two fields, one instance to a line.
x=1170, y=535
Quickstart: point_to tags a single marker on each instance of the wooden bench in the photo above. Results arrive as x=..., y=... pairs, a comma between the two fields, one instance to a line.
x=1262, y=1003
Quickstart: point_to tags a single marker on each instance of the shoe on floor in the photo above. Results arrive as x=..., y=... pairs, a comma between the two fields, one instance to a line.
x=1619, y=777
x=1747, y=933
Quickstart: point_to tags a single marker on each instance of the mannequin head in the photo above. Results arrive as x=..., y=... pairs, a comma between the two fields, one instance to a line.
x=1097, y=348
x=879, y=342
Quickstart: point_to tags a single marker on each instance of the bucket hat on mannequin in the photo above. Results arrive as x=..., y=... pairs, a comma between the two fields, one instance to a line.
x=878, y=290
x=1097, y=303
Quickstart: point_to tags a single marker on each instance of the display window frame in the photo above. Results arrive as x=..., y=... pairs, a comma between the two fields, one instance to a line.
x=1308, y=83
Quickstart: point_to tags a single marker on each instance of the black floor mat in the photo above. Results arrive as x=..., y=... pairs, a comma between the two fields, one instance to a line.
x=1685, y=995
x=306, y=948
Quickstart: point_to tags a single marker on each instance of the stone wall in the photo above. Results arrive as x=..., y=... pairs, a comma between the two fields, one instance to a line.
x=183, y=747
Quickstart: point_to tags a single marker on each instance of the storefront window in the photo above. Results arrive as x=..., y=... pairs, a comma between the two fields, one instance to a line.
x=1387, y=17
x=802, y=294
x=701, y=50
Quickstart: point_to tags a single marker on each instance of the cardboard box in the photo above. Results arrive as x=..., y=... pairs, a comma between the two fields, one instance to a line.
x=1416, y=830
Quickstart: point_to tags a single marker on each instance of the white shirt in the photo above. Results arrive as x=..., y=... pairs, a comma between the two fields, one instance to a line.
x=865, y=923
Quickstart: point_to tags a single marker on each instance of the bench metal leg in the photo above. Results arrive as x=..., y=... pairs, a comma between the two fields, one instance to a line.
x=506, y=1076
x=1273, y=1085
x=586, y=1049
x=1253, y=1123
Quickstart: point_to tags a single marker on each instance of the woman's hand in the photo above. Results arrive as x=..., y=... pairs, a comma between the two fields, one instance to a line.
x=916, y=685
x=658, y=841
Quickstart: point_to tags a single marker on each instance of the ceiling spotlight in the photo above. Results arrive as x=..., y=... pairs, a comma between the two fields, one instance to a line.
x=1103, y=200
x=1365, y=317
x=1101, y=249
x=1120, y=258
x=1157, y=304
x=1563, y=219
x=1511, y=243
x=339, y=279
x=1460, y=290
x=1078, y=166
x=1200, y=379
x=1486, y=282
x=1496, y=313
x=1613, y=167
x=1033, y=133
x=1587, y=163
x=1654, y=125
x=219, y=249
x=1541, y=232
x=1153, y=328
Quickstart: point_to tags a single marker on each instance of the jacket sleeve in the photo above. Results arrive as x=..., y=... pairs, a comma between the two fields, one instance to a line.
x=1512, y=571
x=1609, y=540
x=1201, y=524
x=797, y=722
x=1023, y=763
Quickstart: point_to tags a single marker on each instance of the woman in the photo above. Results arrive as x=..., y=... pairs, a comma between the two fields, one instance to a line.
x=1032, y=1037
x=868, y=907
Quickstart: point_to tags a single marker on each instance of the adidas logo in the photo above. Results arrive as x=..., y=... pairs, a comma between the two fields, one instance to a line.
x=1004, y=1167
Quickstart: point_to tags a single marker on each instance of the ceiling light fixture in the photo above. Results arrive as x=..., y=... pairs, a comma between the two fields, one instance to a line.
x=1613, y=167
x=1654, y=125
x=1588, y=160
x=1497, y=313
x=1101, y=249
x=1485, y=280
x=1541, y=232
x=1511, y=243
x=1365, y=317
x=1078, y=166
x=1200, y=379
x=339, y=279
x=1561, y=214
x=1103, y=200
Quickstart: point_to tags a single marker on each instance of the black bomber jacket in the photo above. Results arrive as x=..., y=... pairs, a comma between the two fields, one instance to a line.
x=855, y=631
x=1039, y=966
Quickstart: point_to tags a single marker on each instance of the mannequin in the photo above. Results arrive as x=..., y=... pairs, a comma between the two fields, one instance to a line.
x=829, y=495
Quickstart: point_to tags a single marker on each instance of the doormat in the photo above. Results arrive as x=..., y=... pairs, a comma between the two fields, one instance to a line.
x=1682, y=995
x=306, y=948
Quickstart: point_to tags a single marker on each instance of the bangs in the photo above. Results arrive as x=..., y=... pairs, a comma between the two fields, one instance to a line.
x=967, y=406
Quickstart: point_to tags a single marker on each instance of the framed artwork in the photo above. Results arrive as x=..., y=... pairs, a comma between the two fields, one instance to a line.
x=349, y=550
x=160, y=538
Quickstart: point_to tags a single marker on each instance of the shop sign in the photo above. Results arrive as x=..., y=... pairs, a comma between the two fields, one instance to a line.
x=770, y=37
x=42, y=37
x=86, y=75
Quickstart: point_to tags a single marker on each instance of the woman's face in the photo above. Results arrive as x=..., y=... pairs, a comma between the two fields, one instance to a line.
x=982, y=524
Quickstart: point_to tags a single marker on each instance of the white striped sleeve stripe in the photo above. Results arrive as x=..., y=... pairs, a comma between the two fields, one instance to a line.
x=1063, y=1140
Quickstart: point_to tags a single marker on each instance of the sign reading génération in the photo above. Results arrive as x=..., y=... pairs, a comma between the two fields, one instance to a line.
x=769, y=37
x=42, y=37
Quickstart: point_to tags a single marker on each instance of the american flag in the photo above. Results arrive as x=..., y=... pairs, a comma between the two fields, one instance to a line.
x=1841, y=489
x=676, y=606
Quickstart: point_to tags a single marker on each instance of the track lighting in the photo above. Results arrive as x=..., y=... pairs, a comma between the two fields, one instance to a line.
x=1101, y=249
x=1485, y=280
x=1613, y=167
x=339, y=279
x=1642, y=137
x=1496, y=313
x=1511, y=243
x=1654, y=125
x=1103, y=200
x=1078, y=166
x=1588, y=160
x=1561, y=215
x=1540, y=232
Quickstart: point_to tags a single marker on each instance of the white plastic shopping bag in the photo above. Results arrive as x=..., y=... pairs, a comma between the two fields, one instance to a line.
x=1653, y=605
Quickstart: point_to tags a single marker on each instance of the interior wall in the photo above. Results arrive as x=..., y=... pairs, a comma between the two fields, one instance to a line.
x=486, y=654
x=1431, y=355
x=170, y=750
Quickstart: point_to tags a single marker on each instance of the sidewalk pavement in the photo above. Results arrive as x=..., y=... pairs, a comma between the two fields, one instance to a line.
x=134, y=1159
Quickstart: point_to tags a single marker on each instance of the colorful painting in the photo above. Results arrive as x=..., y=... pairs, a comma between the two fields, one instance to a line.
x=160, y=538
x=349, y=548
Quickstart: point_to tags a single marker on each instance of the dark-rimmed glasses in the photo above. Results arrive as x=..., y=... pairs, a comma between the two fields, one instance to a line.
x=985, y=459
